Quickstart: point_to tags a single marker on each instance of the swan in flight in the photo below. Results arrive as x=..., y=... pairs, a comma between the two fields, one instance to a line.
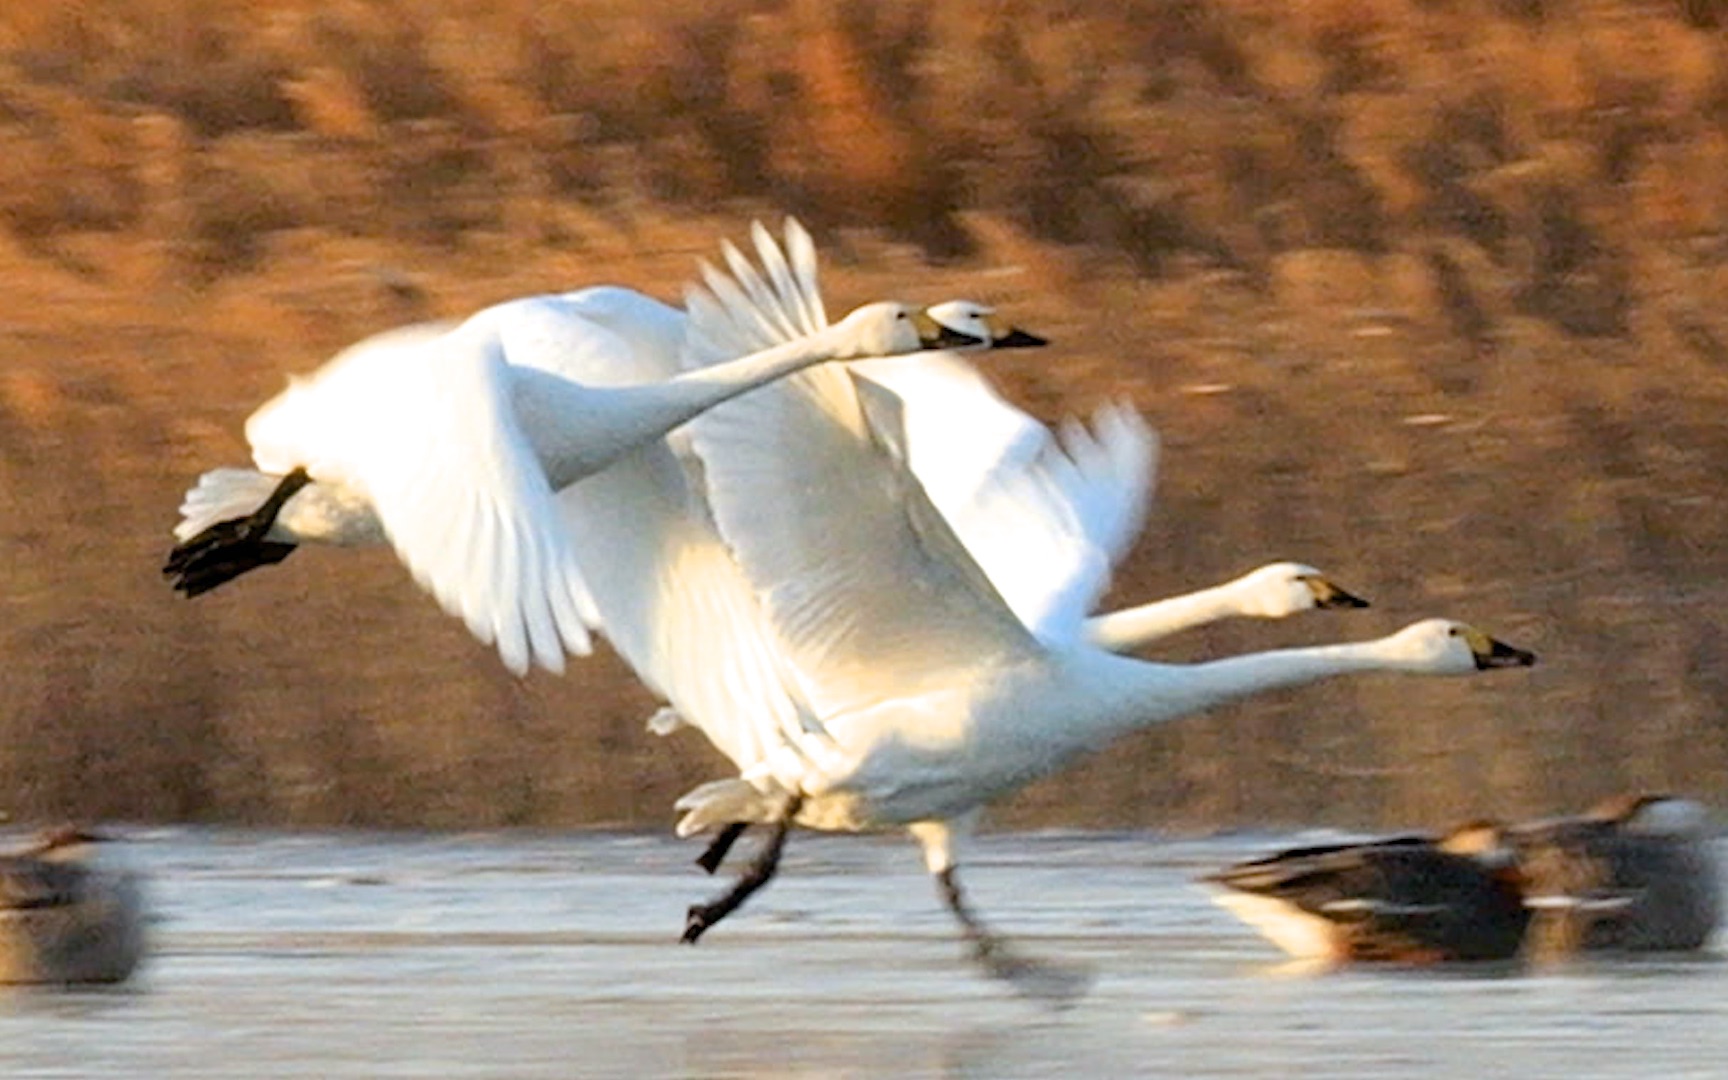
x=66, y=916
x=917, y=695
x=1048, y=514
x=1047, y=549
x=457, y=441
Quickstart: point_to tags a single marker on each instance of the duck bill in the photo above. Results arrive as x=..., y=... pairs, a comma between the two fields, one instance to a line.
x=1328, y=595
x=1497, y=654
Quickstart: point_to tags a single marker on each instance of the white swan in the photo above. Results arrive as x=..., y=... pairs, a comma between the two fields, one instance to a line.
x=458, y=440
x=920, y=695
x=1047, y=540
x=66, y=916
x=1048, y=514
x=1274, y=591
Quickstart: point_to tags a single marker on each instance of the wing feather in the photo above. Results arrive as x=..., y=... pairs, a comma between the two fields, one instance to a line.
x=433, y=440
x=801, y=251
x=762, y=296
x=862, y=579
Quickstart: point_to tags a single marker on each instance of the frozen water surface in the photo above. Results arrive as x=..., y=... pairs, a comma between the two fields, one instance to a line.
x=533, y=954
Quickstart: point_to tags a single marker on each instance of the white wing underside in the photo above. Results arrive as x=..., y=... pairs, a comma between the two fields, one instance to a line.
x=1047, y=516
x=865, y=584
x=669, y=595
x=429, y=434
x=673, y=599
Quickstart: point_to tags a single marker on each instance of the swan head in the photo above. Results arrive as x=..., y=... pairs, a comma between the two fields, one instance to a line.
x=892, y=329
x=982, y=322
x=1446, y=647
x=1280, y=589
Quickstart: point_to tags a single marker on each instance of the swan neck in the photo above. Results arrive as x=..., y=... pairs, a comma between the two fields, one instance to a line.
x=577, y=430
x=1139, y=693
x=1130, y=628
x=722, y=381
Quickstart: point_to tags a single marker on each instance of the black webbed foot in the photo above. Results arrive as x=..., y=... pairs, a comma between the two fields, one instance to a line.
x=228, y=549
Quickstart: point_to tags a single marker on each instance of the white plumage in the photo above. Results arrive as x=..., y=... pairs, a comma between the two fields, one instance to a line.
x=914, y=693
x=455, y=439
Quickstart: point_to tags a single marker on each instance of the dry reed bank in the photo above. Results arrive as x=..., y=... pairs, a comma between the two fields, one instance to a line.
x=1428, y=292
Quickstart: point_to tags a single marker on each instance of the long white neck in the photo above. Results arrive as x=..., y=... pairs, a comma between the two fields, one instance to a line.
x=577, y=430
x=1130, y=628
x=1122, y=694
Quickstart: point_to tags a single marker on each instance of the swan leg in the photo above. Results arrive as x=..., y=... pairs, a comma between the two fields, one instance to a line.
x=228, y=549
x=1057, y=985
x=711, y=859
x=761, y=871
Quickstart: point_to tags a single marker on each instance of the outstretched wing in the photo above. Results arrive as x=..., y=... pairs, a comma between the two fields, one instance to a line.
x=427, y=430
x=868, y=590
x=1047, y=516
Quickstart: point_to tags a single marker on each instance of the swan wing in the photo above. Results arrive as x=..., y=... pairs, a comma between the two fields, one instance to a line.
x=1046, y=515
x=745, y=311
x=676, y=607
x=1050, y=532
x=866, y=586
x=431, y=436
x=666, y=591
x=1046, y=518
x=959, y=430
x=600, y=336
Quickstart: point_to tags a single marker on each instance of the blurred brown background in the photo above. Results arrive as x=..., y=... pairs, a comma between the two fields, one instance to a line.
x=1426, y=292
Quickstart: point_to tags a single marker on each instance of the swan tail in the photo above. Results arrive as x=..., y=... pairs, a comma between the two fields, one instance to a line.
x=720, y=803
x=227, y=548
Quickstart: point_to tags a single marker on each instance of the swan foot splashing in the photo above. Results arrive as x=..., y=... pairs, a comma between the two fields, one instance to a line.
x=760, y=872
x=229, y=548
x=1056, y=985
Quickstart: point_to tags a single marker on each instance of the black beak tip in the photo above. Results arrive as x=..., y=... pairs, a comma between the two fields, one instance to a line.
x=1503, y=655
x=1017, y=338
x=949, y=338
x=1330, y=596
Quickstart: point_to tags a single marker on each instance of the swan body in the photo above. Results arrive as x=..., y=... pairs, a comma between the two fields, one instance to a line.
x=989, y=727
x=918, y=694
x=67, y=915
x=457, y=439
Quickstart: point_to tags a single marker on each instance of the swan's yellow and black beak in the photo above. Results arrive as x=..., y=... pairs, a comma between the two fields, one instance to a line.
x=935, y=335
x=1492, y=653
x=1003, y=336
x=1328, y=595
